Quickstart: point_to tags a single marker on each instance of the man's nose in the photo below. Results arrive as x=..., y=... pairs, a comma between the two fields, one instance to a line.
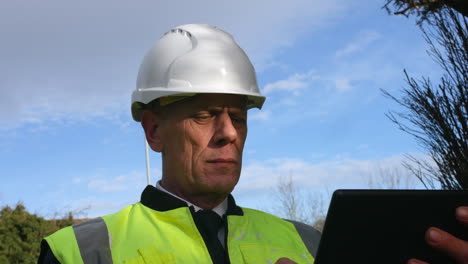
x=225, y=131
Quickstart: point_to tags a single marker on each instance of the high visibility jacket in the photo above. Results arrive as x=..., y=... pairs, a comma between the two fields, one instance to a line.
x=161, y=229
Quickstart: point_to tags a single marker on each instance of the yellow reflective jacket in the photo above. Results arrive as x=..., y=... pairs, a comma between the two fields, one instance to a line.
x=161, y=229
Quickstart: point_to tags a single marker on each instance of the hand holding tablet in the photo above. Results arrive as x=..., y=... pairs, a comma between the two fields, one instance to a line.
x=454, y=247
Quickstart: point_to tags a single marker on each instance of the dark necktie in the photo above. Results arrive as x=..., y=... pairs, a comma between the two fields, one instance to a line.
x=209, y=224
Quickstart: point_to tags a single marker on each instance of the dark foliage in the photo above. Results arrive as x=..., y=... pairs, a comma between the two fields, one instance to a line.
x=22, y=232
x=437, y=115
x=423, y=9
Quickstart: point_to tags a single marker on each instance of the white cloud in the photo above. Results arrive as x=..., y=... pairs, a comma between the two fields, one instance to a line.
x=328, y=174
x=261, y=115
x=370, y=68
x=77, y=180
x=97, y=193
x=294, y=84
x=359, y=43
x=342, y=85
x=288, y=101
x=109, y=194
x=72, y=71
x=128, y=181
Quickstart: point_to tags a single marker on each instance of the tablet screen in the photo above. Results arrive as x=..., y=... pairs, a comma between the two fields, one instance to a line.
x=388, y=226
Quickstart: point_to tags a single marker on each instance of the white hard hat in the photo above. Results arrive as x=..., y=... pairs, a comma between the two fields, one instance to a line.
x=193, y=59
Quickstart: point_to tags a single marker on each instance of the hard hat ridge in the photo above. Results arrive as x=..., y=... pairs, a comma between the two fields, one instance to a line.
x=192, y=59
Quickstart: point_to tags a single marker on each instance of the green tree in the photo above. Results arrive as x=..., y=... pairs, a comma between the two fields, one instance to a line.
x=21, y=234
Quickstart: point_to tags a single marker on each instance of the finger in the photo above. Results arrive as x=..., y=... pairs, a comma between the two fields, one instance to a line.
x=462, y=214
x=450, y=245
x=285, y=261
x=416, y=261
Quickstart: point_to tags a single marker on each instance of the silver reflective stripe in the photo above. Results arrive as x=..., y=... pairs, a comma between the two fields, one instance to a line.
x=93, y=241
x=310, y=236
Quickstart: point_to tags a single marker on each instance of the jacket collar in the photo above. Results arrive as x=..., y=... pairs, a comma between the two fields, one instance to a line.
x=161, y=201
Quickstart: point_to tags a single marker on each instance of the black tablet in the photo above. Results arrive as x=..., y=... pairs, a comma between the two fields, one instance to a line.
x=388, y=226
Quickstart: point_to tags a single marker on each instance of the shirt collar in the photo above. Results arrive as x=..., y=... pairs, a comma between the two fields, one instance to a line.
x=220, y=209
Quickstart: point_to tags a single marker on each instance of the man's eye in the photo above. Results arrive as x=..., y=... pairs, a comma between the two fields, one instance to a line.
x=203, y=116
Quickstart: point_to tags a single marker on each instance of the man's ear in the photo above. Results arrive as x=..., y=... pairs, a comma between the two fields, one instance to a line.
x=150, y=122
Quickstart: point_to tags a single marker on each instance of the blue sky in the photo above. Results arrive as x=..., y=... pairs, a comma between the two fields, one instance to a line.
x=67, y=140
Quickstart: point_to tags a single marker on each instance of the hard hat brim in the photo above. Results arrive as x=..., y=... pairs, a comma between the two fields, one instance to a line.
x=142, y=97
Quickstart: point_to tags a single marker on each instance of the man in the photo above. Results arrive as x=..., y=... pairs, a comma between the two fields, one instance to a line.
x=193, y=91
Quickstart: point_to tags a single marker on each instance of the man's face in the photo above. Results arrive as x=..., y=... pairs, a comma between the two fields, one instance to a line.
x=201, y=140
